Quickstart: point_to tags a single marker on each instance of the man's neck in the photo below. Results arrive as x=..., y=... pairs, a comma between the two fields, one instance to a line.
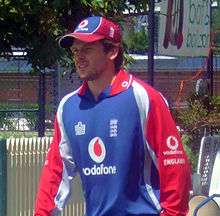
x=97, y=86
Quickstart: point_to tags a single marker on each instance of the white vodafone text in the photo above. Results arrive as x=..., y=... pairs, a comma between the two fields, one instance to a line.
x=100, y=170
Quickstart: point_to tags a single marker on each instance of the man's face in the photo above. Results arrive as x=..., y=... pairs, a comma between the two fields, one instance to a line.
x=90, y=59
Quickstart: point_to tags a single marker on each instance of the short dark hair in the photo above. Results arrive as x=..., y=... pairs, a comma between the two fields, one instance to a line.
x=108, y=45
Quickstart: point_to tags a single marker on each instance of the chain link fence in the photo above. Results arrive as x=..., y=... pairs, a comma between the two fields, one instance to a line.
x=29, y=100
x=24, y=96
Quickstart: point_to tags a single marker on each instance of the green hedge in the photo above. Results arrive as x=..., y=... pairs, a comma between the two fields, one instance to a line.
x=20, y=134
x=201, y=114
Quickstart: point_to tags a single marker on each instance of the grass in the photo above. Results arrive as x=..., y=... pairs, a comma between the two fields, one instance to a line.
x=20, y=134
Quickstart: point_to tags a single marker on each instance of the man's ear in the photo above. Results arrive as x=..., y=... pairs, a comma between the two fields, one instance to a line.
x=113, y=53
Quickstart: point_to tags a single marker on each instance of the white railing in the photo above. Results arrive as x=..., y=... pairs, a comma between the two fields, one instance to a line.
x=25, y=157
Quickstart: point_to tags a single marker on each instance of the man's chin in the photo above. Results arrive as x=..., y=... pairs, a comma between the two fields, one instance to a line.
x=83, y=76
x=87, y=78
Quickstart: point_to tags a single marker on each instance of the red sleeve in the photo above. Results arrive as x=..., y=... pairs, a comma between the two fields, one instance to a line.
x=50, y=179
x=172, y=162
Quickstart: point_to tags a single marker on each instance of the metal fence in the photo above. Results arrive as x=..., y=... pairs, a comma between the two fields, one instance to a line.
x=210, y=145
x=22, y=90
x=19, y=120
x=25, y=157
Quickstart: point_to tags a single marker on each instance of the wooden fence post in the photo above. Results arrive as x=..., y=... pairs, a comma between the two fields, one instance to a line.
x=3, y=177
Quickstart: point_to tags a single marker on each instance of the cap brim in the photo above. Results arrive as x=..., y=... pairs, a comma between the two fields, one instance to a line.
x=67, y=40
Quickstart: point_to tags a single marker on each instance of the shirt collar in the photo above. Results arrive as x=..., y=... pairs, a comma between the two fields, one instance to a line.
x=121, y=83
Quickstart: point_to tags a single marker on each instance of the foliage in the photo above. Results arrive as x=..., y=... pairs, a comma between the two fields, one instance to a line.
x=136, y=40
x=116, y=8
x=35, y=25
x=202, y=113
x=21, y=134
x=127, y=60
x=193, y=157
x=7, y=106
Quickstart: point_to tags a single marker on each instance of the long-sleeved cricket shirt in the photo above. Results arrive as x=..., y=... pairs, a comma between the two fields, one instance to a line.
x=126, y=148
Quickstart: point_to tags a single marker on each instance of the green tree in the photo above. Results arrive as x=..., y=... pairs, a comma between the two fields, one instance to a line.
x=137, y=40
x=35, y=25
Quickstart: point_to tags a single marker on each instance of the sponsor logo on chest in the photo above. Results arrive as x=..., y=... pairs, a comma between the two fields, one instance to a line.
x=97, y=153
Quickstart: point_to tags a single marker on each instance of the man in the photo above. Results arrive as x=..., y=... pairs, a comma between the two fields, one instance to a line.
x=117, y=132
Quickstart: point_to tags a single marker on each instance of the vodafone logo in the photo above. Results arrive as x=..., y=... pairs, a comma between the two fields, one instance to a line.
x=97, y=150
x=83, y=24
x=172, y=143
